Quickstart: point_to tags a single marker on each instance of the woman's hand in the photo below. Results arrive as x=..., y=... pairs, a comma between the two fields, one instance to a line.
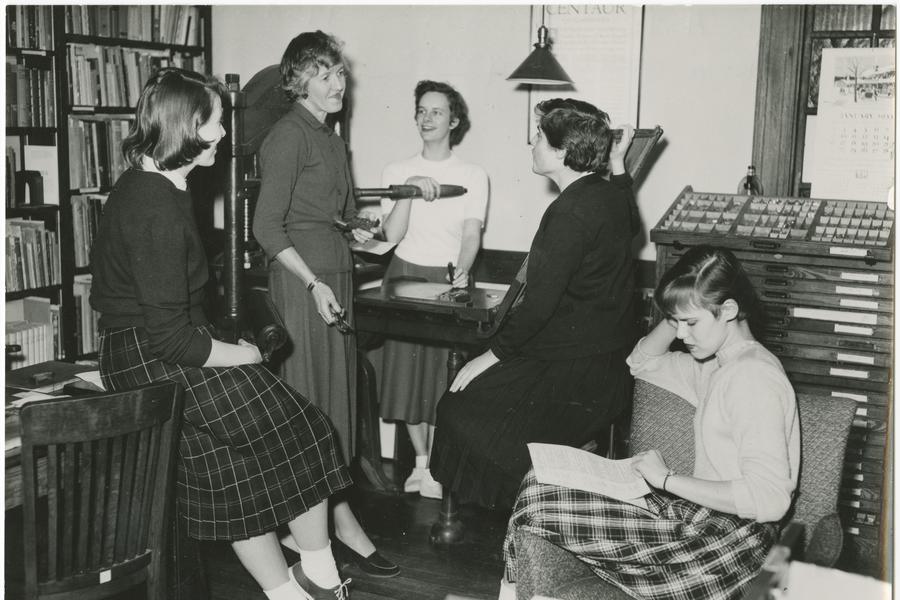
x=255, y=355
x=431, y=189
x=363, y=235
x=651, y=466
x=473, y=369
x=460, y=278
x=619, y=149
x=326, y=302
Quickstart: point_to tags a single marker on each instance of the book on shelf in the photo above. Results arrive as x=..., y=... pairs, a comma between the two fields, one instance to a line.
x=85, y=317
x=95, y=160
x=32, y=255
x=43, y=159
x=86, y=212
x=169, y=24
x=29, y=26
x=30, y=99
x=30, y=326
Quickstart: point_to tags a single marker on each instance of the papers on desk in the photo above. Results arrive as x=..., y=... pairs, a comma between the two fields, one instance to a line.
x=581, y=470
x=811, y=581
x=373, y=246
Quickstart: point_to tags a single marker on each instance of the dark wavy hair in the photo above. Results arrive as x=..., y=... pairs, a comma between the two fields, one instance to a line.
x=173, y=106
x=458, y=108
x=302, y=59
x=705, y=277
x=579, y=128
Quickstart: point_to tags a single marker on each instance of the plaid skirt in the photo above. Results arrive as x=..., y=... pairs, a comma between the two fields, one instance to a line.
x=253, y=455
x=676, y=550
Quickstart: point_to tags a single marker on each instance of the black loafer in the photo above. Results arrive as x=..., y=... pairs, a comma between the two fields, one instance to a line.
x=374, y=564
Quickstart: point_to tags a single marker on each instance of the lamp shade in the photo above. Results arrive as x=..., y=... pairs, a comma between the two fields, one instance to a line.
x=540, y=68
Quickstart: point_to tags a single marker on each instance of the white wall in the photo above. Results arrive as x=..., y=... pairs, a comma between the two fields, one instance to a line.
x=698, y=82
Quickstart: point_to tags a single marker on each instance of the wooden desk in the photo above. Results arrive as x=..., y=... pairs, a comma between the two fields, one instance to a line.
x=409, y=310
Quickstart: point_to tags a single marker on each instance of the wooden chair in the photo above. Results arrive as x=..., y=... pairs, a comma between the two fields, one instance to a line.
x=659, y=421
x=109, y=464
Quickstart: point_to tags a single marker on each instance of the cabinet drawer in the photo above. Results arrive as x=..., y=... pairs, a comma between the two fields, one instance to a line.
x=875, y=400
x=846, y=343
x=860, y=504
x=826, y=301
x=821, y=286
x=855, y=374
x=853, y=360
x=778, y=317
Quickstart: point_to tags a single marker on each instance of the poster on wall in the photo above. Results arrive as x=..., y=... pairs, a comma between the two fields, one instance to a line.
x=599, y=46
x=853, y=145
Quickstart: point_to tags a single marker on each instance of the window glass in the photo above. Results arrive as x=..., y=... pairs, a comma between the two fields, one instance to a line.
x=888, y=16
x=843, y=18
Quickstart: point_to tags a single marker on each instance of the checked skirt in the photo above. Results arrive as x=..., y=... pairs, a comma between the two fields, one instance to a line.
x=253, y=454
x=675, y=550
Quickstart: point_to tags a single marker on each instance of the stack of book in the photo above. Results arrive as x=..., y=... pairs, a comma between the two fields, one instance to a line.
x=29, y=27
x=95, y=158
x=113, y=76
x=169, y=24
x=37, y=332
x=86, y=319
x=86, y=212
x=29, y=92
x=32, y=255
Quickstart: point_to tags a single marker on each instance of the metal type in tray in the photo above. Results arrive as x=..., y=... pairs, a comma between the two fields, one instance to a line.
x=855, y=228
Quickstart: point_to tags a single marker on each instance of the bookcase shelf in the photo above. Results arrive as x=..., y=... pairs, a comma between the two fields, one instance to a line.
x=81, y=134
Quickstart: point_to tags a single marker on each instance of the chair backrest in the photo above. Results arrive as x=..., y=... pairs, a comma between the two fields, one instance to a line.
x=108, y=464
x=664, y=421
x=659, y=420
x=825, y=423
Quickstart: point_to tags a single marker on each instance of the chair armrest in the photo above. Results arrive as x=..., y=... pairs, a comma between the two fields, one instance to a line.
x=263, y=325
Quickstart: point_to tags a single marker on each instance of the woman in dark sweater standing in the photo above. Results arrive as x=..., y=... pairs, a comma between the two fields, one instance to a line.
x=555, y=372
x=254, y=453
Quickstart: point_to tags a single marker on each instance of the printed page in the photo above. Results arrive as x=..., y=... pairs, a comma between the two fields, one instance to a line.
x=570, y=467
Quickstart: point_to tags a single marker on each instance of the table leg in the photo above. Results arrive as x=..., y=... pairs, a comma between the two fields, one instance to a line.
x=369, y=447
x=449, y=529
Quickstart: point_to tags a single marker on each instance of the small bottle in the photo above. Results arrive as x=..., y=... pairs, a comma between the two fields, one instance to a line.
x=750, y=185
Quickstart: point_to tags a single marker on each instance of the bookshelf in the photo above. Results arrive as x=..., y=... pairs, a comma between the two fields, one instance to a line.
x=73, y=76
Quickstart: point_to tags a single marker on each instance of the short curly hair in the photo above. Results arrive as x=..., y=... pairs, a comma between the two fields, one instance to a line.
x=302, y=59
x=459, y=110
x=579, y=128
x=174, y=104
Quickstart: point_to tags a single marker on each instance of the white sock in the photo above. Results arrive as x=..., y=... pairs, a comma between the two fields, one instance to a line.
x=285, y=591
x=421, y=461
x=319, y=566
x=507, y=590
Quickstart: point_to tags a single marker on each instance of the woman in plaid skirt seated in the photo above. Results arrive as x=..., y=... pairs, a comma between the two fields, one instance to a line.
x=702, y=534
x=254, y=454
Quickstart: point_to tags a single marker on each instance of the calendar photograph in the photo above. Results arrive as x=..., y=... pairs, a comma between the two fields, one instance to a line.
x=853, y=143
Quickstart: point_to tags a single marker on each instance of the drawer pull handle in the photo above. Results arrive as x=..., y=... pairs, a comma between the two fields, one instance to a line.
x=765, y=245
x=779, y=282
x=769, y=294
x=776, y=269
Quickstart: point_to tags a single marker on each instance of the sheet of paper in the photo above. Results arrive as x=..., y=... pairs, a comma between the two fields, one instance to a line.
x=373, y=247
x=811, y=581
x=570, y=467
x=92, y=377
x=23, y=398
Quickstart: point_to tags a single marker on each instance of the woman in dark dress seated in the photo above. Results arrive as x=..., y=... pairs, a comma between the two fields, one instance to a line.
x=555, y=372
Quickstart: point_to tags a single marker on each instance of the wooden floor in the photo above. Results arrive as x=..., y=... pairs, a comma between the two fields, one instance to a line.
x=399, y=527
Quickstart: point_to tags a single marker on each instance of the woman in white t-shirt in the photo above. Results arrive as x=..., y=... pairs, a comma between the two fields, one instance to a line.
x=431, y=233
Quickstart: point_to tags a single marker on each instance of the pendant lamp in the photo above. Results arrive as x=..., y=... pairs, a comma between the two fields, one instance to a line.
x=541, y=68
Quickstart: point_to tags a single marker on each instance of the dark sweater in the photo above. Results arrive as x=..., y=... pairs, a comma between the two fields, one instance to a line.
x=306, y=185
x=580, y=276
x=149, y=267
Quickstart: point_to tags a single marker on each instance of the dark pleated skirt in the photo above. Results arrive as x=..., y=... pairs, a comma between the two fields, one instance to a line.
x=480, y=443
x=318, y=361
x=413, y=375
x=253, y=455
